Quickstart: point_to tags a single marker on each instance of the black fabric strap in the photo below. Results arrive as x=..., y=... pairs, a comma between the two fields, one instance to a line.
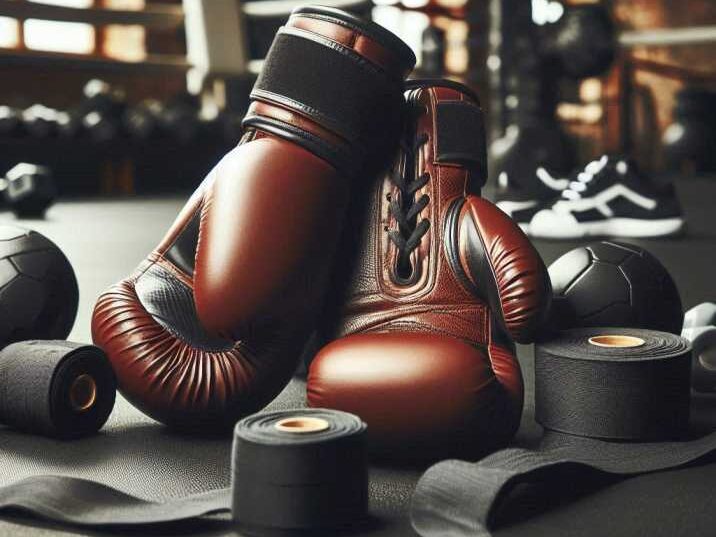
x=329, y=83
x=78, y=502
x=461, y=137
x=585, y=390
x=459, y=498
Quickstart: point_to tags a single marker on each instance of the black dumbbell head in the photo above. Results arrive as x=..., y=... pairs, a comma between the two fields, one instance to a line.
x=29, y=190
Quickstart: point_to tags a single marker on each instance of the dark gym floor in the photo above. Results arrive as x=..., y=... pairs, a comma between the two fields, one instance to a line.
x=105, y=240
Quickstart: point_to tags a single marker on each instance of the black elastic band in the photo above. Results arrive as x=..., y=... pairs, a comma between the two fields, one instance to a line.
x=460, y=137
x=329, y=83
x=459, y=498
x=585, y=390
x=79, y=502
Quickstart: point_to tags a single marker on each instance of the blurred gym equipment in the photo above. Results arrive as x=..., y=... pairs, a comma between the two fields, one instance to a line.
x=28, y=190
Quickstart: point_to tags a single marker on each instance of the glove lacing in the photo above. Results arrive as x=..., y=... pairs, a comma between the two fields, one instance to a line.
x=405, y=211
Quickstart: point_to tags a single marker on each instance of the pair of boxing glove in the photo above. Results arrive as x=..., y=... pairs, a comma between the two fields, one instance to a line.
x=415, y=279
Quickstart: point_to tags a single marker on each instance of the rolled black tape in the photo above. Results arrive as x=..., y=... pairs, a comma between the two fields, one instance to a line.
x=614, y=383
x=292, y=470
x=625, y=384
x=299, y=469
x=55, y=388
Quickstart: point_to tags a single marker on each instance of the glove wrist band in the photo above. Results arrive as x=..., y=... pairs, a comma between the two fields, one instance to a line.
x=338, y=55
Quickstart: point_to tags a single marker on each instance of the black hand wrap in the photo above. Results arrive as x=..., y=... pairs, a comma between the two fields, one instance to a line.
x=640, y=393
x=55, y=388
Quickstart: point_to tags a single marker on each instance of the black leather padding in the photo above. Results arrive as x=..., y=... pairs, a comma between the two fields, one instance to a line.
x=171, y=303
x=183, y=252
x=461, y=137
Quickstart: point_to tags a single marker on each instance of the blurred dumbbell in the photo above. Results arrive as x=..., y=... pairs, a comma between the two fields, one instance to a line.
x=142, y=120
x=689, y=141
x=99, y=115
x=178, y=120
x=41, y=121
x=10, y=121
x=28, y=190
x=224, y=127
x=583, y=42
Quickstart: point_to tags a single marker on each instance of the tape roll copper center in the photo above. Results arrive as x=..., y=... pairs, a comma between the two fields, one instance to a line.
x=616, y=341
x=83, y=393
x=302, y=425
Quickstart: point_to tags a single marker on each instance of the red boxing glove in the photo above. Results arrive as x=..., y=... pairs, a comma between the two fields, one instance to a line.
x=210, y=327
x=435, y=282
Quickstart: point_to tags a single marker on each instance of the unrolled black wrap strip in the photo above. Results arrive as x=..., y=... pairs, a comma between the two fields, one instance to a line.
x=459, y=498
x=35, y=382
x=280, y=481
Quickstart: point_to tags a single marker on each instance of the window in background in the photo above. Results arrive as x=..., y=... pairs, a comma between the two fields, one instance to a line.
x=9, y=33
x=121, y=42
x=66, y=3
x=53, y=36
x=125, y=43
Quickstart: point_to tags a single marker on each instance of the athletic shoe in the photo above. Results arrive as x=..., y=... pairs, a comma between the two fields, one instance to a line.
x=610, y=198
x=521, y=206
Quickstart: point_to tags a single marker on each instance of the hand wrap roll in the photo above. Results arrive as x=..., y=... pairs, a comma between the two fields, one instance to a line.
x=299, y=469
x=628, y=385
x=55, y=388
x=292, y=469
x=625, y=384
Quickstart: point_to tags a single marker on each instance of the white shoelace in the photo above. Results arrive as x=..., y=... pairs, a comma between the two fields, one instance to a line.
x=576, y=188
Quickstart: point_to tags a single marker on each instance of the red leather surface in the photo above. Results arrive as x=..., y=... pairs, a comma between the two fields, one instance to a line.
x=516, y=268
x=418, y=358
x=264, y=220
x=179, y=384
x=419, y=390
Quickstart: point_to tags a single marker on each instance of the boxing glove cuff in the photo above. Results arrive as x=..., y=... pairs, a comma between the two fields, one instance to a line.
x=340, y=55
